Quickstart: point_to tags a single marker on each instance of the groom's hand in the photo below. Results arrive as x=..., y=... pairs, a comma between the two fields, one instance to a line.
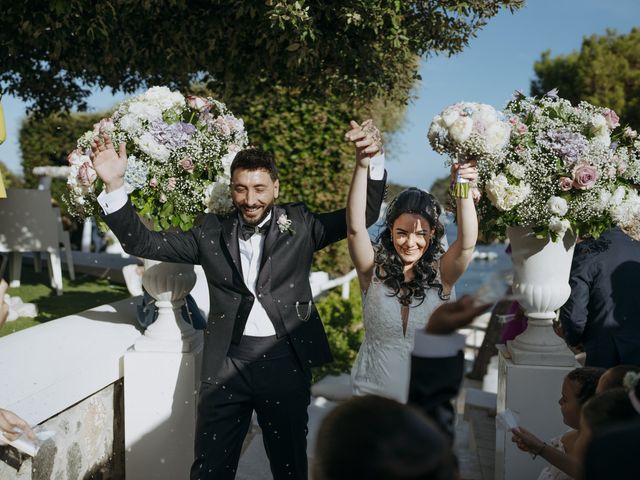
x=109, y=164
x=366, y=138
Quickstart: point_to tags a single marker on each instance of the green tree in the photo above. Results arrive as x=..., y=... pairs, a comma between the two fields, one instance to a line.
x=11, y=180
x=605, y=72
x=55, y=50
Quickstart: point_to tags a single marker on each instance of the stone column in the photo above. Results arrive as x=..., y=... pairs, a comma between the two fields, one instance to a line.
x=161, y=377
x=532, y=392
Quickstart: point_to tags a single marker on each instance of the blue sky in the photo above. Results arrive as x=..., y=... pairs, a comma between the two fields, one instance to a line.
x=496, y=63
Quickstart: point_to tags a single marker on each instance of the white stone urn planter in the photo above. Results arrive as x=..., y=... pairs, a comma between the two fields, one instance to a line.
x=169, y=284
x=541, y=284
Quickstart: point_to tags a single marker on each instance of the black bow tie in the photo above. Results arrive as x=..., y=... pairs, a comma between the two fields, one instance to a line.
x=246, y=231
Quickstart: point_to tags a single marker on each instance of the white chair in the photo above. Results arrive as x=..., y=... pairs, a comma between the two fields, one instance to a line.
x=28, y=223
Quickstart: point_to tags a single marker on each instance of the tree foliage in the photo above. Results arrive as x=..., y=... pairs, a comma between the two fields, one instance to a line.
x=54, y=50
x=11, y=180
x=605, y=72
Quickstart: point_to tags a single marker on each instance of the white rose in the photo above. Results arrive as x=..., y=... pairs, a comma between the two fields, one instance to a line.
x=503, y=195
x=145, y=111
x=599, y=125
x=130, y=124
x=559, y=226
x=152, y=148
x=557, y=206
x=449, y=117
x=496, y=136
x=460, y=130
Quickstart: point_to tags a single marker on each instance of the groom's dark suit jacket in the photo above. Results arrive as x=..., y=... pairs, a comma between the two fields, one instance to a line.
x=603, y=310
x=282, y=286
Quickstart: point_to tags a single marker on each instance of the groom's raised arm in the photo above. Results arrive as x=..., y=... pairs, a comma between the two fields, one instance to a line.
x=138, y=240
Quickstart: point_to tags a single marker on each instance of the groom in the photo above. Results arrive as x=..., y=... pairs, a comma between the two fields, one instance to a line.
x=264, y=333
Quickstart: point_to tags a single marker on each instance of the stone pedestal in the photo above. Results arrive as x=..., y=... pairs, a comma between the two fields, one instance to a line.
x=162, y=372
x=160, y=413
x=532, y=392
x=541, y=270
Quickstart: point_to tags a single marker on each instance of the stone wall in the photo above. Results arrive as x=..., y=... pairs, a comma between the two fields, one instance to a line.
x=89, y=443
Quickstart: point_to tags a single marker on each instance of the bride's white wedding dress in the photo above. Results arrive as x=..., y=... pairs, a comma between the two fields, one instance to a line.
x=383, y=364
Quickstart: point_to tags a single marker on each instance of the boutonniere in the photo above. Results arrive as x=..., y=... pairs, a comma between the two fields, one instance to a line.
x=284, y=224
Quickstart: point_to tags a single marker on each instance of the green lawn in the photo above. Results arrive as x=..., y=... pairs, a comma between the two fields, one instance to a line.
x=84, y=293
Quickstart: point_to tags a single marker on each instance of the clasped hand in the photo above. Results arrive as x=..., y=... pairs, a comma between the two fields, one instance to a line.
x=367, y=140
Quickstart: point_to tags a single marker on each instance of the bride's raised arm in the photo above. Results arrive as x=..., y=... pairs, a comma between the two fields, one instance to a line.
x=456, y=259
x=360, y=247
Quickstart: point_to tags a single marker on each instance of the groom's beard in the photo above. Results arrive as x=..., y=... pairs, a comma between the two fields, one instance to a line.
x=254, y=214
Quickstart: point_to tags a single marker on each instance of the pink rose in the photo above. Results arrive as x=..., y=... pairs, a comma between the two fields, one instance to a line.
x=630, y=132
x=566, y=183
x=187, y=164
x=612, y=119
x=584, y=176
x=163, y=198
x=86, y=174
x=171, y=184
x=622, y=167
x=222, y=126
x=74, y=156
x=153, y=182
x=197, y=103
x=521, y=129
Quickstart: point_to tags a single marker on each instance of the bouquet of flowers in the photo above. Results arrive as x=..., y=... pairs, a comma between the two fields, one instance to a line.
x=179, y=153
x=468, y=130
x=564, y=168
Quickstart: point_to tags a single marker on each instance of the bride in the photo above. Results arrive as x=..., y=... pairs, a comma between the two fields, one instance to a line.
x=406, y=275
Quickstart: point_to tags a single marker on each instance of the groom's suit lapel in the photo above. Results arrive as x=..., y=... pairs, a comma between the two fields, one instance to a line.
x=230, y=235
x=272, y=237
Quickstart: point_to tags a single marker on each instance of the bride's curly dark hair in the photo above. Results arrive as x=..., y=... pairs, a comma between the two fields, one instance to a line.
x=389, y=267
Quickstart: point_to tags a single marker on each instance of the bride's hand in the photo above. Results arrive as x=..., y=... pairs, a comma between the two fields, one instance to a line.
x=367, y=140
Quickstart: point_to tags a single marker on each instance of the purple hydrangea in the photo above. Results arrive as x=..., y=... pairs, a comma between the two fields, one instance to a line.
x=568, y=145
x=172, y=136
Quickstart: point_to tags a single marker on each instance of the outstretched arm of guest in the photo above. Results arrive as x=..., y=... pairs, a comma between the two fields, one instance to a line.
x=456, y=259
x=528, y=442
x=12, y=426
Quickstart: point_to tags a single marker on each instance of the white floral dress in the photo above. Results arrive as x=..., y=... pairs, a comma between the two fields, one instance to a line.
x=550, y=472
x=383, y=364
